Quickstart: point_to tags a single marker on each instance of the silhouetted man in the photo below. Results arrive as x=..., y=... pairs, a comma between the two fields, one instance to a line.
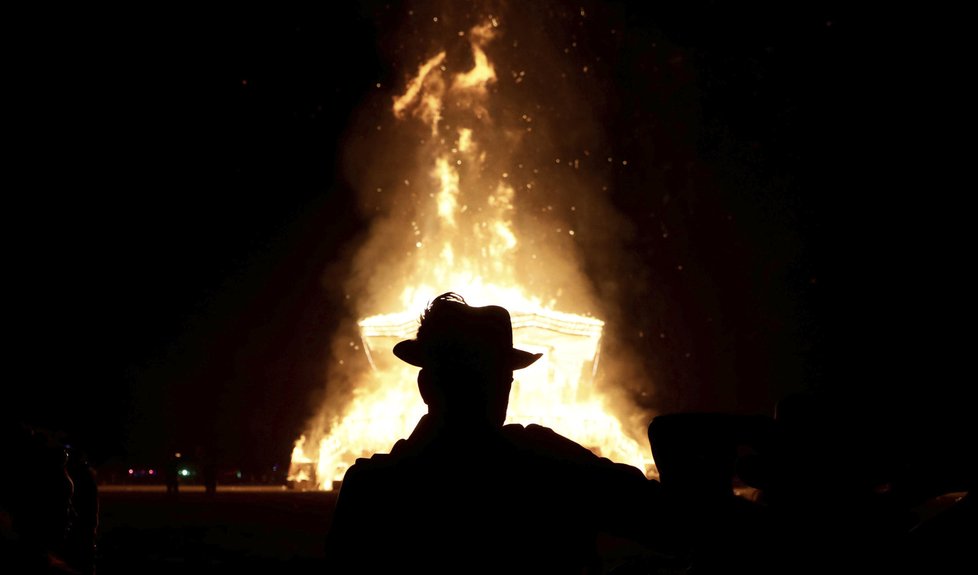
x=465, y=493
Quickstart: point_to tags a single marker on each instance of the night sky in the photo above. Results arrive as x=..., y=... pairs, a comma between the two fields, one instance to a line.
x=179, y=223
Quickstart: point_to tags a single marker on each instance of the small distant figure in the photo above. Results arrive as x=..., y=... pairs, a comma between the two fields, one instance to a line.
x=208, y=469
x=466, y=493
x=210, y=478
x=171, y=472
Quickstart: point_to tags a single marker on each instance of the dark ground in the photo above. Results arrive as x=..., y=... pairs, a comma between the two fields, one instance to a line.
x=238, y=530
x=262, y=531
x=269, y=529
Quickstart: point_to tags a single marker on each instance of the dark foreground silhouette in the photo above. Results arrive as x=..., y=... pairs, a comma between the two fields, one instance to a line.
x=820, y=501
x=48, y=504
x=464, y=493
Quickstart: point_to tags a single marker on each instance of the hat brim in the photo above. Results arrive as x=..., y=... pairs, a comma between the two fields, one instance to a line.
x=411, y=351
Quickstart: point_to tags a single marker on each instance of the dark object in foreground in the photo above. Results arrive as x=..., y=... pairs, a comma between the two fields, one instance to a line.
x=464, y=492
x=232, y=531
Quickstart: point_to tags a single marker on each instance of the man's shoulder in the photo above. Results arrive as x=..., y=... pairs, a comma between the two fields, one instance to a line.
x=539, y=435
x=545, y=442
x=378, y=463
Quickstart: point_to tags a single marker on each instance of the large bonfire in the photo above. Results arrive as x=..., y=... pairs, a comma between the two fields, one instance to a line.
x=464, y=239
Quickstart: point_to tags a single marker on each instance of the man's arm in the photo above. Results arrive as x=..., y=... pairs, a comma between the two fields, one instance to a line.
x=349, y=530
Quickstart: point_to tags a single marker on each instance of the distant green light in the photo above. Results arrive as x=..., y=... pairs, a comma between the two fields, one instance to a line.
x=185, y=472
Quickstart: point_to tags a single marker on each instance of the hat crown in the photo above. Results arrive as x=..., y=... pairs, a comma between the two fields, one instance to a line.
x=453, y=332
x=488, y=326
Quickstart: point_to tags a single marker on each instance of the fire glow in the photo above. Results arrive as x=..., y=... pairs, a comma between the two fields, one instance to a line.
x=464, y=239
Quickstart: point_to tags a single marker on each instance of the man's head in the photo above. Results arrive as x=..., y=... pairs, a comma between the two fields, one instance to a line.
x=467, y=358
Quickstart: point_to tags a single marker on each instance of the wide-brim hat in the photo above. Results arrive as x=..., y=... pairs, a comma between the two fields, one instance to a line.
x=453, y=332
